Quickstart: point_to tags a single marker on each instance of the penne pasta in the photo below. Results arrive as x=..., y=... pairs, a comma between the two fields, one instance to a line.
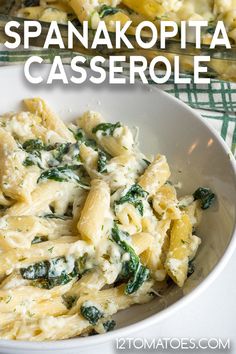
x=155, y=175
x=97, y=206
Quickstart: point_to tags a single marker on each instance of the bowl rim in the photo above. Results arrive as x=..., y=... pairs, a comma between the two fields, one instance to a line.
x=82, y=342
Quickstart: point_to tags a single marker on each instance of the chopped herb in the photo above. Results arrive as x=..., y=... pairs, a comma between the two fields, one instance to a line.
x=109, y=325
x=39, y=239
x=107, y=10
x=205, y=195
x=102, y=162
x=50, y=249
x=106, y=128
x=91, y=313
x=69, y=301
x=8, y=299
x=133, y=196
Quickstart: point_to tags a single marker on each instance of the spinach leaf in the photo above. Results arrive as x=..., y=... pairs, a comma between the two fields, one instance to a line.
x=121, y=238
x=106, y=128
x=33, y=159
x=140, y=276
x=107, y=10
x=48, y=274
x=36, y=271
x=91, y=143
x=91, y=313
x=205, y=195
x=109, y=325
x=59, y=174
x=132, y=269
x=80, y=137
x=102, y=162
x=60, y=151
x=67, y=151
x=33, y=147
x=33, y=144
x=133, y=196
x=63, y=174
x=133, y=193
x=138, y=204
x=52, y=282
x=80, y=264
x=39, y=239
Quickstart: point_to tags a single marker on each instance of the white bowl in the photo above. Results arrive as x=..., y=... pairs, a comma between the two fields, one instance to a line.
x=197, y=156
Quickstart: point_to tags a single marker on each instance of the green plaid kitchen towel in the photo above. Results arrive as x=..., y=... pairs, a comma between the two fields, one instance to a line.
x=216, y=102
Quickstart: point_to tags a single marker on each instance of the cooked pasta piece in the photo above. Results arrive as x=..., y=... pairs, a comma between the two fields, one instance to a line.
x=179, y=251
x=142, y=241
x=49, y=119
x=155, y=175
x=23, y=231
x=16, y=182
x=165, y=203
x=154, y=257
x=95, y=211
